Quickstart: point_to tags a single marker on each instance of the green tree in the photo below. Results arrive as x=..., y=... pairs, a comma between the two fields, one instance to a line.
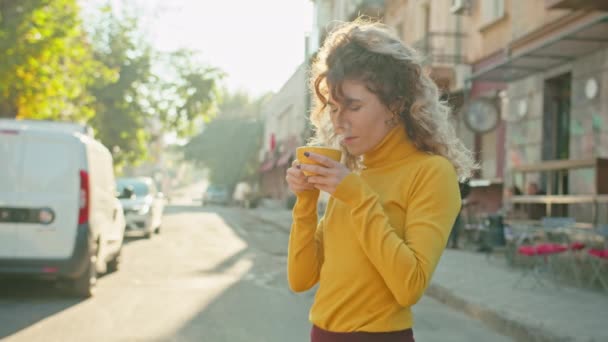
x=228, y=148
x=153, y=94
x=46, y=63
x=186, y=93
x=239, y=104
x=229, y=145
x=121, y=113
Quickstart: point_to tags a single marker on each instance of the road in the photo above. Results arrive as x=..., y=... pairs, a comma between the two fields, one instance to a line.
x=214, y=274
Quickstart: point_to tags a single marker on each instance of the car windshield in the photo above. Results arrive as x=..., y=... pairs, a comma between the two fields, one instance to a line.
x=140, y=188
x=216, y=189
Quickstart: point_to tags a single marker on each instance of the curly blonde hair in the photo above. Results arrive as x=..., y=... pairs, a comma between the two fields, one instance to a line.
x=369, y=52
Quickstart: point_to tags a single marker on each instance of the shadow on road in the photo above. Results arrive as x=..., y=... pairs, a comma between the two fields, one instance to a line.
x=240, y=313
x=172, y=209
x=28, y=301
x=258, y=306
x=194, y=208
x=133, y=237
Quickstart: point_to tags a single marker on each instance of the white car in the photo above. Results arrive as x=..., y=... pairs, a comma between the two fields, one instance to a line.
x=143, y=205
x=216, y=194
x=59, y=217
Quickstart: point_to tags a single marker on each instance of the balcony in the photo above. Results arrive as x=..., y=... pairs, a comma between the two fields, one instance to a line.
x=444, y=53
x=577, y=4
x=442, y=47
x=557, y=200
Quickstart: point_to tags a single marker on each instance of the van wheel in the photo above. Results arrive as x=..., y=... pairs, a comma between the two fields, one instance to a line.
x=157, y=230
x=114, y=263
x=148, y=234
x=84, y=285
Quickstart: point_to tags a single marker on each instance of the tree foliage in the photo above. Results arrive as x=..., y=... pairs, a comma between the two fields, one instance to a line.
x=102, y=72
x=188, y=95
x=122, y=118
x=228, y=148
x=229, y=145
x=46, y=63
x=154, y=92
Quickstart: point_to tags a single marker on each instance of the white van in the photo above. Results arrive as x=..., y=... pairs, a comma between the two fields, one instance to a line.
x=59, y=215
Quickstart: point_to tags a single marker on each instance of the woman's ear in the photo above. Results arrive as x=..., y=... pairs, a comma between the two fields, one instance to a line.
x=397, y=106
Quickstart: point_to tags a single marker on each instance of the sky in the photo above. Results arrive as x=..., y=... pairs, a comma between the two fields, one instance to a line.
x=258, y=43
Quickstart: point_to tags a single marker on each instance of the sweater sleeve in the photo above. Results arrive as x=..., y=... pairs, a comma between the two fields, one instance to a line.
x=305, y=250
x=407, y=264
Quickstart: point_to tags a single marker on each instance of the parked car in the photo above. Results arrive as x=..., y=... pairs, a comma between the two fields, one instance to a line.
x=242, y=194
x=216, y=194
x=59, y=217
x=143, y=204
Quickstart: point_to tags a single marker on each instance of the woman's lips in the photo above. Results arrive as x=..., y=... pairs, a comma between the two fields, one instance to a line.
x=349, y=140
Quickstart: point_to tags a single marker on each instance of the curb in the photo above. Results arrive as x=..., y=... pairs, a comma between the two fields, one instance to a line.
x=494, y=319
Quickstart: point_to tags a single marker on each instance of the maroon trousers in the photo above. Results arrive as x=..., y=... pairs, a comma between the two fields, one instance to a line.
x=319, y=335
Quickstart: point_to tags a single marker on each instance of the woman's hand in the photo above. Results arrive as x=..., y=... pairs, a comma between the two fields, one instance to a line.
x=328, y=175
x=296, y=180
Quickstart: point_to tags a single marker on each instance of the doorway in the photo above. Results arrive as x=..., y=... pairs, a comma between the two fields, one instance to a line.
x=556, y=132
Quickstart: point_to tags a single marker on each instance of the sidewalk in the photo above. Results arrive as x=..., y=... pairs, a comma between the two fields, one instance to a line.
x=483, y=288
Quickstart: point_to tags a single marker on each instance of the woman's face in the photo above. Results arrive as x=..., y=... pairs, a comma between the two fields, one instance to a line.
x=360, y=118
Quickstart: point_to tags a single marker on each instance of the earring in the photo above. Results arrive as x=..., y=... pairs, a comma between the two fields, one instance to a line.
x=392, y=122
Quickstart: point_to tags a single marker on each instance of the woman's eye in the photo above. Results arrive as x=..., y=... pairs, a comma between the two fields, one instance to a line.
x=354, y=109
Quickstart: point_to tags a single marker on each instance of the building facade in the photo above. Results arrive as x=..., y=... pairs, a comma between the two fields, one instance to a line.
x=528, y=85
x=442, y=34
x=552, y=70
x=285, y=123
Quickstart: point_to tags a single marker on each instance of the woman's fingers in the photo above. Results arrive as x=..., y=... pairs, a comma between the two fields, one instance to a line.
x=296, y=173
x=297, y=189
x=294, y=170
x=291, y=180
x=297, y=181
x=317, y=169
x=325, y=161
x=320, y=180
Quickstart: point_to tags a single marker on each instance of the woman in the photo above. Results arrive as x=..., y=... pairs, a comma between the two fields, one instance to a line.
x=393, y=201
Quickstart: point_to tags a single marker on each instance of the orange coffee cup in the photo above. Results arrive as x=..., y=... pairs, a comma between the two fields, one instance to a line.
x=330, y=152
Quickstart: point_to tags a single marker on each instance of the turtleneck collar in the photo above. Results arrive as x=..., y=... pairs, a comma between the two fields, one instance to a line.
x=396, y=145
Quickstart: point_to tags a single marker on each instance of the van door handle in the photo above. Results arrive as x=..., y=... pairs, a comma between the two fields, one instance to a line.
x=114, y=214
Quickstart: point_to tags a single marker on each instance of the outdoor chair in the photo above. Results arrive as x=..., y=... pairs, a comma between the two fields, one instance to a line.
x=599, y=260
x=543, y=253
x=493, y=235
x=523, y=245
x=559, y=231
x=472, y=225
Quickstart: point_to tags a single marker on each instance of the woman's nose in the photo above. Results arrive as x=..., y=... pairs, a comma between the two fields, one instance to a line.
x=339, y=122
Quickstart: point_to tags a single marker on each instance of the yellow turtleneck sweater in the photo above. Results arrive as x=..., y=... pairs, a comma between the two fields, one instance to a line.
x=381, y=237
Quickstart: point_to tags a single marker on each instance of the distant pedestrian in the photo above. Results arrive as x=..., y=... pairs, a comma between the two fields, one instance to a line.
x=465, y=189
x=536, y=211
x=394, y=198
x=241, y=194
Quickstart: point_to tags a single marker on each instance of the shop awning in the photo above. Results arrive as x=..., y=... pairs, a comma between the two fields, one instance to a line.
x=529, y=55
x=267, y=165
x=284, y=159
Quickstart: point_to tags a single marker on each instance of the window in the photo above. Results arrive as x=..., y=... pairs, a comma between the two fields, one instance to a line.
x=140, y=188
x=492, y=10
